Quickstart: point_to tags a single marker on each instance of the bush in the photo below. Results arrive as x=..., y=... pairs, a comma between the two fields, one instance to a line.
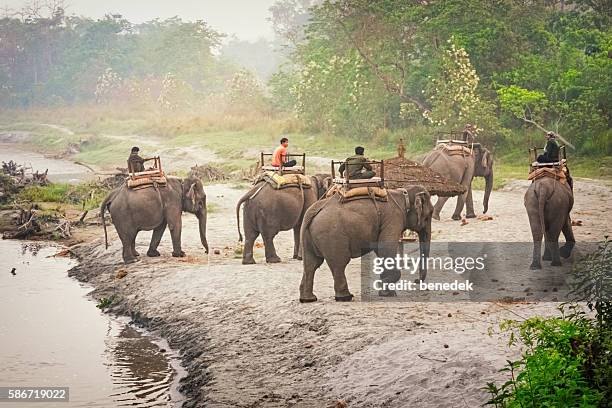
x=89, y=195
x=567, y=360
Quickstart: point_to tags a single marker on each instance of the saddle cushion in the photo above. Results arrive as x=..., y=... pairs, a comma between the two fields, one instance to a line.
x=147, y=181
x=454, y=149
x=377, y=193
x=558, y=173
x=286, y=180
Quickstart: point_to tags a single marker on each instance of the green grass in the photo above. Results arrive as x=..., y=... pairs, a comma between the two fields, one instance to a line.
x=86, y=195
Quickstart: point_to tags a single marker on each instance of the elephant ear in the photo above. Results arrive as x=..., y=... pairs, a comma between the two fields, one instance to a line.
x=191, y=195
x=484, y=160
x=419, y=203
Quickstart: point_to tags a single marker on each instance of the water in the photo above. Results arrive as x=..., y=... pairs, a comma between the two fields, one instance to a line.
x=60, y=171
x=52, y=335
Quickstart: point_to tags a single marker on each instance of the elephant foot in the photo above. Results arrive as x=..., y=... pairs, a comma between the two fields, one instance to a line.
x=248, y=261
x=565, y=251
x=556, y=263
x=435, y=216
x=346, y=298
x=546, y=257
x=153, y=253
x=470, y=215
x=387, y=293
x=136, y=254
x=299, y=258
x=535, y=266
x=456, y=217
x=179, y=254
x=130, y=261
x=308, y=299
x=274, y=259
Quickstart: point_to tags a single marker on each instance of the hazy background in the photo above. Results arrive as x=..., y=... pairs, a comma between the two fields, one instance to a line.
x=247, y=19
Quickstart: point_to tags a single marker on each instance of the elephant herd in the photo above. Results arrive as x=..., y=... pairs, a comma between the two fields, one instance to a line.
x=327, y=229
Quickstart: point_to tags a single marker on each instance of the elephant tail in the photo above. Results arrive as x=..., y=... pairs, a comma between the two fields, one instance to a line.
x=103, y=208
x=541, y=194
x=242, y=200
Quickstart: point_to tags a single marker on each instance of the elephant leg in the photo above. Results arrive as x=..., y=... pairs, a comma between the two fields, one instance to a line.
x=388, y=249
x=438, y=207
x=552, y=239
x=536, y=233
x=155, y=239
x=311, y=263
x=297, y=247
x=250, y=235
x=566, y=250
x=469, y=204
x=547, y=250
x=459, y=207
x=271, y=256
x=127, y=241
x=175, y=233
x=133, y=248
x=337, y=267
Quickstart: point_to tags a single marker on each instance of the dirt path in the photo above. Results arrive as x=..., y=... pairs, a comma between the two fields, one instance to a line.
x=248, y=342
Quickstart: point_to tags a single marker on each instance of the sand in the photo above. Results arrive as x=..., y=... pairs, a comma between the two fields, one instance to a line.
x=246, y=340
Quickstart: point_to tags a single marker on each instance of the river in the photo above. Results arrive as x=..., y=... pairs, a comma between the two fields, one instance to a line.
x=60, y=171
x=51, y=334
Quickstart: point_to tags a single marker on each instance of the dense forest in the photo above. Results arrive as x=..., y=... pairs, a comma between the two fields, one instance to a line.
x=349, y=67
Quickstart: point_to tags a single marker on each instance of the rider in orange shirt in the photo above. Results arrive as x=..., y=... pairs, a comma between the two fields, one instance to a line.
x=280, y=155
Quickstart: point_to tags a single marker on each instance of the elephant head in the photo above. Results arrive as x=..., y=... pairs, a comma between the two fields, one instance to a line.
x=484, y=168
x=322, y=183
x=194, y=201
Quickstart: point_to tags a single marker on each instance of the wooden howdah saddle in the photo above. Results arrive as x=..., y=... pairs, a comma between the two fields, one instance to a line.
x=153, y=177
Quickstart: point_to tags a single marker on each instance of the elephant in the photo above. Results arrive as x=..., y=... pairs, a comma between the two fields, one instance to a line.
x=462, y=169
x=154, y=208
x=335, y=232
x=267, y=211
x=548, y=203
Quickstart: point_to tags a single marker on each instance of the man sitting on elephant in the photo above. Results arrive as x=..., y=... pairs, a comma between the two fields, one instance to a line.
x=551, y=151
x=279, y=159
x=357, y=166
x=135, y=162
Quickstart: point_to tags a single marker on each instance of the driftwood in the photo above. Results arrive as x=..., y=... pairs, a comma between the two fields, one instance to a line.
x=251, y=172
x=401, y=172
x=20, y=176
x=208, y=173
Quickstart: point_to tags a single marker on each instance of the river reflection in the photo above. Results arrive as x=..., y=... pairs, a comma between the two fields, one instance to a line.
x=52, y=335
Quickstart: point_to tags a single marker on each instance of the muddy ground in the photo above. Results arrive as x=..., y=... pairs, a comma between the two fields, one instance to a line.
x=248, y=342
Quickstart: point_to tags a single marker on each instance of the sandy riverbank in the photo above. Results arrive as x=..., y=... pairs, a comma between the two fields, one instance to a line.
x=247, y=341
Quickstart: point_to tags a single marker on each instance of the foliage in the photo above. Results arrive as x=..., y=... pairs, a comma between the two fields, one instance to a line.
x=87, y=195
x=551, y=372
x=362, y=66
x=567, y=360
x=593, y=284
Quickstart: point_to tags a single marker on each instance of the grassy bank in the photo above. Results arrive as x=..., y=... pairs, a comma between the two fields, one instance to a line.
x=103, y=137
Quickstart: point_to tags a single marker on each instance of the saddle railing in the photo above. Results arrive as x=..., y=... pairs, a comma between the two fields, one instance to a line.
x=346, y=180
x=301, y=169
x=157, y=170
x=534, y=153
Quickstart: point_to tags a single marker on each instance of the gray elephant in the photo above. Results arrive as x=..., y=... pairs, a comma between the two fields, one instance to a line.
x=462, y=169
x=267, y=211
x=336, y=232
x=548, y=203
x=154, y=208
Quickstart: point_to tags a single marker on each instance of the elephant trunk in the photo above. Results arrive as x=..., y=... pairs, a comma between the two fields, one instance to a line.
x=488, y=188
x=424, y=247
x=202, y=223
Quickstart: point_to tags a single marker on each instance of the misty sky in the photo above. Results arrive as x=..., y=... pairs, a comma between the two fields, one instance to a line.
x=247, y=19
